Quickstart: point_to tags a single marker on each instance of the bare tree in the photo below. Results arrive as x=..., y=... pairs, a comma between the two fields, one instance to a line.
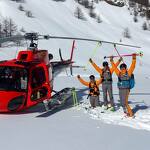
x=9, y=27
x=6, y=27
x=1, y=31
x=12, y=27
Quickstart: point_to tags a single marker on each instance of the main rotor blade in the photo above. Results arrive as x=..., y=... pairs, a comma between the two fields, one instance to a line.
x=92, y=40
x=20, y=37
x=13, y=38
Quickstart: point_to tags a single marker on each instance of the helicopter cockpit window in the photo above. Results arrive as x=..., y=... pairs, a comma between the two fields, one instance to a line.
x=13, y=78
x=38, y=77
x=23, y=57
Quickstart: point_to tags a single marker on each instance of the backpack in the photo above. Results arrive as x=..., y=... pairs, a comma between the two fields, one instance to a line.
x=129, y=83
x=132, y=81
x=92, y=91
x=109, y=75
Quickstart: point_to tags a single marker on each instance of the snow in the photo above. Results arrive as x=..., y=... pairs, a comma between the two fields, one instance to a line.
x=75, y=128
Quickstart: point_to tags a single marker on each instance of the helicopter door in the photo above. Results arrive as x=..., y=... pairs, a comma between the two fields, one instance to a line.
x=40, y=88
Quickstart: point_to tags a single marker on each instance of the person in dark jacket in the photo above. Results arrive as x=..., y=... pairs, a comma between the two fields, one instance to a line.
x=106, y=75
x=93, y=89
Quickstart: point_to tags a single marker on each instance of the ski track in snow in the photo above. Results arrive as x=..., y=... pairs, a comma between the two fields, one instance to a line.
x=141, y=121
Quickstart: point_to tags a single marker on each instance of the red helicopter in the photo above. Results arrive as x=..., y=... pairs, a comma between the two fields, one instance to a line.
x=28, y=79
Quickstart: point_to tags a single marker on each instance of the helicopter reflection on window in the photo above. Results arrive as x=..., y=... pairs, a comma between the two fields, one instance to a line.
x=13, y=78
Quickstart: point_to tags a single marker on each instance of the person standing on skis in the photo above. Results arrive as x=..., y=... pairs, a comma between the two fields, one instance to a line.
x=124, y=76
x=106, y=75
x=93, y=89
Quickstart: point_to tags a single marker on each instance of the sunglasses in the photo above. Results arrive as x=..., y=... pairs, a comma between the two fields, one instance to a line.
x=123, y=68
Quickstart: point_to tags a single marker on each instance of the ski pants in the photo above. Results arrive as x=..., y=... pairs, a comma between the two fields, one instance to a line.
x=107, y=88
x=123, y=95
x=94, y=101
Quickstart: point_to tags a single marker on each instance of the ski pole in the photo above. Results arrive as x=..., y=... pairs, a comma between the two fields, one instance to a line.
x=76, y=100
x=88, y=96
x=74, y=96
x=126, y=55
x=118, y=52
x=94, y=52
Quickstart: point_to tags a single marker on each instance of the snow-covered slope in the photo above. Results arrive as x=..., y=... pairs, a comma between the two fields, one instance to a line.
x=71, y=128
x=57, y=18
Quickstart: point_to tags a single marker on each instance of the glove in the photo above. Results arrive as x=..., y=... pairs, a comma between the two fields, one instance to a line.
x=120, y=59
x=134, y=55
x=90, y=60
x=111, y=58
x=78, y=76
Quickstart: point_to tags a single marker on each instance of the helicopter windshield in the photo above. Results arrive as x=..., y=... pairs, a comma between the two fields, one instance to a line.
x=13, y=79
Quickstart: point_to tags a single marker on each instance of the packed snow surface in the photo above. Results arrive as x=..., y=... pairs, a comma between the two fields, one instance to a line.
x=75, y=127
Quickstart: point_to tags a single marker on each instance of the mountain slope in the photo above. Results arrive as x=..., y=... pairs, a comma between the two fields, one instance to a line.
x=71, y=128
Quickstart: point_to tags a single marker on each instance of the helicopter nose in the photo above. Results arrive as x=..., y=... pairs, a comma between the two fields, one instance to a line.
x=11, y=101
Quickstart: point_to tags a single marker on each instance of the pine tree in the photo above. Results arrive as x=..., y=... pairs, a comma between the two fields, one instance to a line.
x=99, y=19
x=144, y=26
x=135, y=19
x=91, y=10
x=22, y=30
x=86, y=3
x=127, y=33
x=21, y=8
x=96, y=1
x=29, y=14
x=78, y=13
x=148, y=14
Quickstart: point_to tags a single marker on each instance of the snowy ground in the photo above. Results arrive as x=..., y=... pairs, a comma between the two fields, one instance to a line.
x=75, y=128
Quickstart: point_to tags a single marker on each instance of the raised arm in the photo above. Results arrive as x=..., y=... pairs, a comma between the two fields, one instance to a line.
x=112, y=69
x=132, y=67
x=98, y=69
x=98, y=82
x=117, y=71
x=82, y=81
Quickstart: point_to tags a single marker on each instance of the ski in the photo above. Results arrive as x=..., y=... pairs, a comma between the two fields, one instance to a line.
x=89, y=109
x=57, y=102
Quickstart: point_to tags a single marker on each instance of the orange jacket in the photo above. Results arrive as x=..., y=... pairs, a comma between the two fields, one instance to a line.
x=130, y=70
x=100, y=70
x=98, y=82
x=95, y=91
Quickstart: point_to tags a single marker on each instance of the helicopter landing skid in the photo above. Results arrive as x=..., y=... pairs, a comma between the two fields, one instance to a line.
x=58, y=99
